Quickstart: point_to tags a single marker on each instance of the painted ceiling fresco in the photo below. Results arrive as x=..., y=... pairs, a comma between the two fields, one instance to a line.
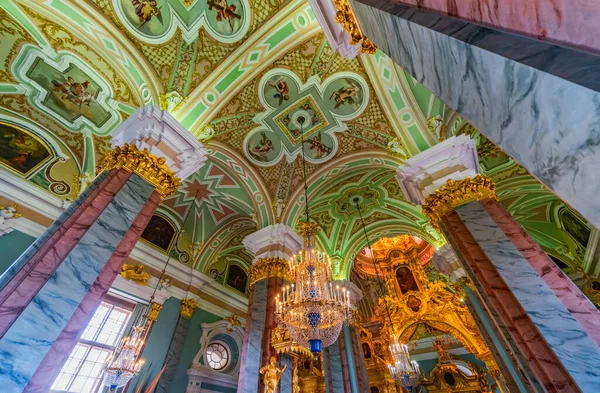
x=238, y=74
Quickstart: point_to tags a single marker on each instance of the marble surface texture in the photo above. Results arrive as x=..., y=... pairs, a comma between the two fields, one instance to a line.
x=521, y=337
x=31, y=336
x=49, y=368
x=251, y=354
x=576, y=351
x=26, y=283
x=285, y=383
x=571, y=297
x=173, y=353
x=363, y=379
x=50, y=232
x=335, y=367
x=547, y=123
x=573, y=23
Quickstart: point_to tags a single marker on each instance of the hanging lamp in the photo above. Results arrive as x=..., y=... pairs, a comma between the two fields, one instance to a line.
x=312, y=309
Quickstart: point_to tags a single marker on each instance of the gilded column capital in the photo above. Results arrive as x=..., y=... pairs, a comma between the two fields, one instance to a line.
x=270, y=267
x=345, y=17
x=188, y=306
x=154, y=311
x=456, y=193
x=141, y=162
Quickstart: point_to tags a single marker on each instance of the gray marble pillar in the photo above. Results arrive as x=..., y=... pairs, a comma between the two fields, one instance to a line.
x=572, y=345
x=173, y=354
x=538, y=102
x=252, y=351
x=285, y=383
x=334, y=369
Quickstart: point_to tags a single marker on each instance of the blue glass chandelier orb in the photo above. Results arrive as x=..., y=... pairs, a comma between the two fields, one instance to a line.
x=315, y=346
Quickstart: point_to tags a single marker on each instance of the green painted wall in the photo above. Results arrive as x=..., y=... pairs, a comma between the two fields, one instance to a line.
x=191, y=346
x=158, y=343
x=12, y=246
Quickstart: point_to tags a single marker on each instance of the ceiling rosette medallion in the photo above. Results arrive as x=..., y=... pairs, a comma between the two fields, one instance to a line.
x=324, y=106
x=156, y=21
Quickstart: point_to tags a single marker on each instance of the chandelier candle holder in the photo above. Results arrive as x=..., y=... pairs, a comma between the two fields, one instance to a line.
x=405, y=371
x=311, y=308
x=125, y=365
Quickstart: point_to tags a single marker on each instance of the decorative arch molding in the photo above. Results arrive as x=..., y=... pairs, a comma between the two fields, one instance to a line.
x=317, y=180
x=249, y=179
x=222, y=237
x=103, y=37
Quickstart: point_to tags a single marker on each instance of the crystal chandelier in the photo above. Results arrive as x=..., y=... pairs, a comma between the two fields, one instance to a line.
x=311, y=308
x=126, y=364
x=405, y=371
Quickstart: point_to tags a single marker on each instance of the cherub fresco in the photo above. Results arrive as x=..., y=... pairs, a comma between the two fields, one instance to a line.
x=317, y=147
x=146, y=10
x=75, y=92
x=283, y=90
x=345, y=94
x=260, y=150
x=224, y=11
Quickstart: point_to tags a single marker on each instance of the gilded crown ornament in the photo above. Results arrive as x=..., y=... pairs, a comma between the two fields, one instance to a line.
x=141, y=162
x=345, y=17
x=270, y=267
x=456, y=193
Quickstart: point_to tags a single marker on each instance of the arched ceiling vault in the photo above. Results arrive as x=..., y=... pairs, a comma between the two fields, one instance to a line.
x=72, y=71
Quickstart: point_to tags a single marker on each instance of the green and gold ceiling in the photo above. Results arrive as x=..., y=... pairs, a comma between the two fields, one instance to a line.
x=238, y=74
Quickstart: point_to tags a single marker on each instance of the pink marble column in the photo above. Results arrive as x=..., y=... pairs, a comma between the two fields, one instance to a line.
x=344, y=359
x=58, y=354
x=570, y=23
x=17, y=294
x=513, y=319
x=274, y=287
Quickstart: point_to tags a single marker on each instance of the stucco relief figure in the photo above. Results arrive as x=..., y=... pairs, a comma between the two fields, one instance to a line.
x=271, y=375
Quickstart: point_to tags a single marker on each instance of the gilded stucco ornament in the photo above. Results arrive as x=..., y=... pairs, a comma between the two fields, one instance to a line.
x=456, y=193
x=135, y=273
x=151, y=168
x=270, y=267
x=154, y=311
x=234, y=321
x=345, y=17
x=188, y=306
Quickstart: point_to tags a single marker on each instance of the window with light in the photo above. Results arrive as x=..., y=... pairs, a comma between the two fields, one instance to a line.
x=217, y=356
x=82, y=372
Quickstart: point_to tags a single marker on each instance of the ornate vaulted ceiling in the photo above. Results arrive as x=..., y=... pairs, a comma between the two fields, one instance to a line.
x=238, y=74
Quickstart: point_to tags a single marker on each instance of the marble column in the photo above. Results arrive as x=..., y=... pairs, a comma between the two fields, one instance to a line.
x=272, y=247
x=334, y=371
x=188, y=306
x=535, y=100
x=549, y=325
x=49, y=294
x=286, y=381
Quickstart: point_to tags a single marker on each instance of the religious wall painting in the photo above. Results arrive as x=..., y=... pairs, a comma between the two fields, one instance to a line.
x=406, y=280
x=155, y=21
x=237, y=278
x=297, y=112
x=574, y=227
x=366, y=350
x=67, y=89
x=21, y=150
x=159, y=232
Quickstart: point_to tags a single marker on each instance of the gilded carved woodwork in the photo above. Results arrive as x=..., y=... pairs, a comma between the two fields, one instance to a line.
x=135, y=273
x=151, y=168
x=282, y=342
x=188, y=306
x=270, y=267
x=345, y=17
x=234, y=321
x=455, y=193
